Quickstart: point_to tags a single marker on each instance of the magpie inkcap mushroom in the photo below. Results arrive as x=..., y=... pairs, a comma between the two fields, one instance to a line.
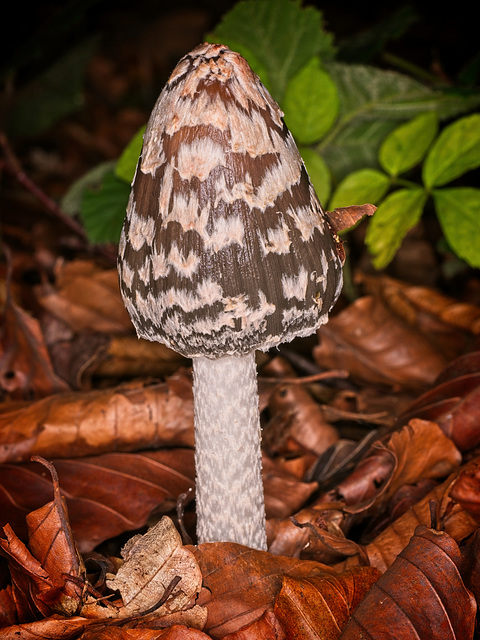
x=225, y=249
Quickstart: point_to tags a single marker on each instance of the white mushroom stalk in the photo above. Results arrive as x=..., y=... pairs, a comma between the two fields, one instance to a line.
x=230, y=502
x=225, y=249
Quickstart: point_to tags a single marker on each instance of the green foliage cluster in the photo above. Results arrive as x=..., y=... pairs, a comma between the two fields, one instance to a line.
x=365, y=134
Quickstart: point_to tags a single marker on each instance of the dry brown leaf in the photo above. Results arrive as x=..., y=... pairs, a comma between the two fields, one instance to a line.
x=417, y=451
x=319, y=607
x=284, y=493
x=152, y=563
x=265, y=628
x=451, y=516
x=26, y=370
x=242, y=583
x=454, y=402
x=128, y=417
x=176, y=632
x=297, y=422
x=106, y=495
x=421, y=595
x=377, y=347
x=427, y=308
x=345, y=217
x=85, y=297
x=47, y=573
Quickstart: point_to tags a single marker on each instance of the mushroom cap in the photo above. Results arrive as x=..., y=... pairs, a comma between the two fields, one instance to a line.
x=225, y=247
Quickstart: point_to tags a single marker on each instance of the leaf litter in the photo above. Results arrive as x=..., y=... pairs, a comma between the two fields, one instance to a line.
x=371, y=476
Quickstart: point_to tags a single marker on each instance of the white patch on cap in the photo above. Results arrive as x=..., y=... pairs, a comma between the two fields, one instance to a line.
x=141, y=230
x=295, y=286
x=277, y=240
x=226, y=231
x=199, y=158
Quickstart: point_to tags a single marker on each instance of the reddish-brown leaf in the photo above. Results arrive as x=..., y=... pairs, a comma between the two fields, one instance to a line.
x=85, y=297
x=26, y=370
x=377, y=347
x=46, y=574
x=129, y=417
x=345, y=217
x=297, y=422
x=417, y=451
x=242, y=583
x=421, y=595
x=106, y=495
x=265, y=628
x=176, y=632
x=318, y=608
x=454, y=402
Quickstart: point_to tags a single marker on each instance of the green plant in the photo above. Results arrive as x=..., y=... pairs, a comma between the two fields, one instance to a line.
x=362, y=131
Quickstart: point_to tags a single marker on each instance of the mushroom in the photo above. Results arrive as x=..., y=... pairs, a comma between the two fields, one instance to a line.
x=225, y=249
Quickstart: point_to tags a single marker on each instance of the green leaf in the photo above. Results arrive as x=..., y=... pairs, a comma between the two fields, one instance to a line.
x=458, y=212
x=103, y=210
x=281, y=35
x=398, y=213
x=360, y=187
x=127, y=162
x=318, y=172
x=71, y=202
x=456, y=151
x=405, y=147
x=310, y=103
x=373, y=102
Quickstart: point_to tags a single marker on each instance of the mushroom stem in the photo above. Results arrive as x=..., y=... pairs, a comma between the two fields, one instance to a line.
x=228, y=458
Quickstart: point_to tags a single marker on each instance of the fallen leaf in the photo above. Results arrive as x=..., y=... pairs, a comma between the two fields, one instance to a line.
x=421, y=595
x=265, y=628
x=106, y=495
x=377, y=347
x=85, y=297
x=46, y=573
x=319, y=607
x=26, y=370
x=454, y=402
x=418, y=450
x=296, y=422
x=152, y=563
x=242, y=583
x=128, y=417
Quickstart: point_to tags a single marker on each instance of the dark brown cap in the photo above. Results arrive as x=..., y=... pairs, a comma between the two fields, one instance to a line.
x=225, y=247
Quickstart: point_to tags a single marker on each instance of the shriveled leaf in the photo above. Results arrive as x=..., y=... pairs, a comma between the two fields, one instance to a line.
x=297, y=422
x=320, y=606
x=418, y=450
x=453, y=403
x=45, y=573
x=343, y=218
x=86, y=297
x=129, y=417
x=106, y=495
x=154, y=563
x=421, y=595
x=378, y=347
x=26, y=370
x=452, y=517
x=175, y=632
x=242, y=583
x=284, y=494
x=265, y=628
